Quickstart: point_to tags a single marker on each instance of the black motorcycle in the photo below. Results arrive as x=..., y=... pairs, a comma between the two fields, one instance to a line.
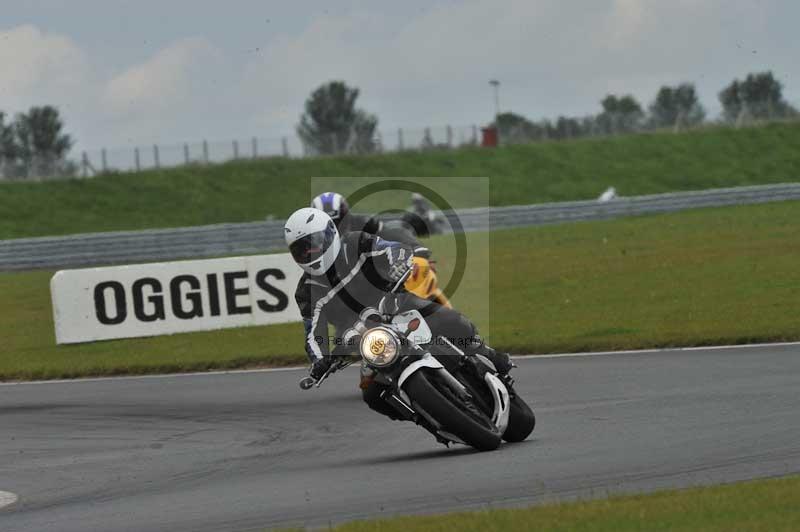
x=456, y=397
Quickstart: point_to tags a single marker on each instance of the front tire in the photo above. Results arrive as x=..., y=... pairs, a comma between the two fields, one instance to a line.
x=435, y=398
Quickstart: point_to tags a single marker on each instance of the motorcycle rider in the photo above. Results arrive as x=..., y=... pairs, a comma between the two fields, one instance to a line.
x=335, y=205
x=421, y=218
x=349, y=274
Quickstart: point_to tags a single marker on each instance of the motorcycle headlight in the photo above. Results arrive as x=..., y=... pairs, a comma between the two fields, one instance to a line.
x=380, y=346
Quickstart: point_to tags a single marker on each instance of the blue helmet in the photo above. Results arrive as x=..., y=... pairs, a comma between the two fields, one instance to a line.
x=332, y=204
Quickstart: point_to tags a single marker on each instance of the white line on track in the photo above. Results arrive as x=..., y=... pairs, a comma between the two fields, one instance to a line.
x=7, y=499
x=299, y=368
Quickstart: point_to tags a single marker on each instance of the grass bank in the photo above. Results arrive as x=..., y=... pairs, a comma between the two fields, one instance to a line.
x=725, y=275
x=551, y=171
x=765, y=505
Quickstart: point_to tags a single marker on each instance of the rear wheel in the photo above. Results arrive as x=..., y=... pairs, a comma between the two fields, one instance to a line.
x=456, y=416
x=521, y=421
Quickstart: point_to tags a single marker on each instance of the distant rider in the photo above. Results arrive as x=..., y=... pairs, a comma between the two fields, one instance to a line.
x=335, y=205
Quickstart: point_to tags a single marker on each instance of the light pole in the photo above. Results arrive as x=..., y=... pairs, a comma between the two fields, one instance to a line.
x=496, y=85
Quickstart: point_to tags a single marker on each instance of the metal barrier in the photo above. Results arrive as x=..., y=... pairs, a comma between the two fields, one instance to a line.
x=126, y=247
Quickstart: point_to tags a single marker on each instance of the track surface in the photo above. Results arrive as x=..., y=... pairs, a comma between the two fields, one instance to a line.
x=250, y=450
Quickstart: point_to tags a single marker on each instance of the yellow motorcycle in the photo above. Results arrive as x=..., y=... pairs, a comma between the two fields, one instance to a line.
x=423, y=282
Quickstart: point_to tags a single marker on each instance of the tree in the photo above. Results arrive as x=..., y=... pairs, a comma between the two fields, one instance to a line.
x=364, y=137
x=621, y=114
x=758, y=97
x=513, y=127
x=676, y=106
x=7, y=146
x=39, y=146
x=568, y=128
x=332, y=124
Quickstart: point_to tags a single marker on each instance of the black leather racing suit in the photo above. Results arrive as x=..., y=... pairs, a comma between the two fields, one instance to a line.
x=360, y=223
x=358, y=279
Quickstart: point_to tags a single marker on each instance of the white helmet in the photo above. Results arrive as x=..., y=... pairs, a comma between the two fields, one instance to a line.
x=313, y=240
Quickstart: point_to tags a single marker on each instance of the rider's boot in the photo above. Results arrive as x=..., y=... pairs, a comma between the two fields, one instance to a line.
x=502, y=361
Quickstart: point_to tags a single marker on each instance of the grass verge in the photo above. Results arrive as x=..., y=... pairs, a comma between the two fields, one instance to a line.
x=244, y=191
x=764, y=505
x=710, y=276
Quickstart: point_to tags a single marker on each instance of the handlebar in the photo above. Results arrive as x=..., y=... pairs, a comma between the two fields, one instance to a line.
x=401, y=281
x=309, y=382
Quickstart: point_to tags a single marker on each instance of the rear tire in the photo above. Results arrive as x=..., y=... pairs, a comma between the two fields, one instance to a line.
x=424, y=390
x=521, y=421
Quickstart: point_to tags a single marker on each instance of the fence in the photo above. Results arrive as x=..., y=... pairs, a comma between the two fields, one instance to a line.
x=138, y=158
x=257, y=237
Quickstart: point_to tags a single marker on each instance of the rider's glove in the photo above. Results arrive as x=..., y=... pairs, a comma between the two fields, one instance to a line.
x=400, y=265
x=319, y=367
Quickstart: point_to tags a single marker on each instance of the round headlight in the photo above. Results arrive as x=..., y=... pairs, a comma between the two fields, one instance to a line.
x=380, y=347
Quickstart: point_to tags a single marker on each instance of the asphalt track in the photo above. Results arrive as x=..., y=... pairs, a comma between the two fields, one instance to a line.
x=251, y=450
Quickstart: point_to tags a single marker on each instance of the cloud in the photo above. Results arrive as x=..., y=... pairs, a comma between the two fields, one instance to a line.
x=163, y=83
x=419, y=65
x=552, y=57
x=155, y=99
x=41, y=68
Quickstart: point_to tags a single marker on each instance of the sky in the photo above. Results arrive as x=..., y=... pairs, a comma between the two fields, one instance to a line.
x=140, y=72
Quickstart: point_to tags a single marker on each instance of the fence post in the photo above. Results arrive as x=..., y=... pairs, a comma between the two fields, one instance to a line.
x=427, y=140
x=185, y=153
x=136, y=159
x=235, y=149
x=474, y=134
x=449, y=136
x=400, y=146
x=255, y=148
x=285, y=146
x=156, y=158
x=205, y=151
x=85, y=164
x=104, y=160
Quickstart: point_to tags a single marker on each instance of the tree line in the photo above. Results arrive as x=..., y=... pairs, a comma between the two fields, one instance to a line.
x=34, y=144
x=332, y=123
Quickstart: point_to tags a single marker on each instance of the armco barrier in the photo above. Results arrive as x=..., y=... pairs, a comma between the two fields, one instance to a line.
x=127, y=247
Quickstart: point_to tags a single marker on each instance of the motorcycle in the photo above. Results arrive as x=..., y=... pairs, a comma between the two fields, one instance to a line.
x=428, y=380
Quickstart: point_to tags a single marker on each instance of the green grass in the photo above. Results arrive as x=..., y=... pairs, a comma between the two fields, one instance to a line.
x=726, y=275
x=554, y=171
x=764, y=505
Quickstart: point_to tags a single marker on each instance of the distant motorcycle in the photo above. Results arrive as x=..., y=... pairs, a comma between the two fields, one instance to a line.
x=430, y=381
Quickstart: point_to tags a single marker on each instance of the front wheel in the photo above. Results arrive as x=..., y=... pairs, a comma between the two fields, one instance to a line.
x=462, y=419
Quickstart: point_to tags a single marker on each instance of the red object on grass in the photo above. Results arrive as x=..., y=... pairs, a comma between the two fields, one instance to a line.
x=489, y=137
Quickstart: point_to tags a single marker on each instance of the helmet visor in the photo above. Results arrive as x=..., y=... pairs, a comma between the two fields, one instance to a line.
x=312, y=247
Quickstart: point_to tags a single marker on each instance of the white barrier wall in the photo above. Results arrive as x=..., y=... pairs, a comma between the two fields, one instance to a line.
x=173, y=297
